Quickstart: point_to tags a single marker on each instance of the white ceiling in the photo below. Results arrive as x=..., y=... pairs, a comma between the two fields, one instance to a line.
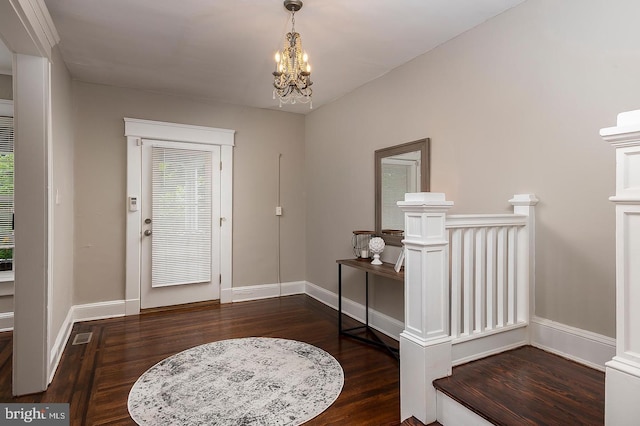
x=223, y=50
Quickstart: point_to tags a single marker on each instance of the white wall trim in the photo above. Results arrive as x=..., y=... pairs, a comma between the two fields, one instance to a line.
x=6, y=321
x=262, y=291
x=78, y=313
x=166, y=131
x=464, y=351
x=135, y=131
x=60, y=343
x=579, y=345
x=6, y=287
x=100, y=310
x=31, y=82
x=226, y=212
x=30, y=29
x=582, y=346
x=377, y=320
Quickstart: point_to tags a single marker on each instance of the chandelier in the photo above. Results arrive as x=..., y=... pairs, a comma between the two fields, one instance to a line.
x=292, y=76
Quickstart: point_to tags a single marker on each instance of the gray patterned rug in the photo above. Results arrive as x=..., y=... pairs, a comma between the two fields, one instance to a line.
x=251, y=381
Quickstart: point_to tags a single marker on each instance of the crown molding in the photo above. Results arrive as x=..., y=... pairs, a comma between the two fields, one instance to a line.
x=28, y=27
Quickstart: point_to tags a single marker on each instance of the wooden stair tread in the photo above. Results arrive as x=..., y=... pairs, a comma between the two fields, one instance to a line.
x=528, y=386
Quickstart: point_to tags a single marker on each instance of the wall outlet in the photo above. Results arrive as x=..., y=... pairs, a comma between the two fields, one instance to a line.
x=278, y=211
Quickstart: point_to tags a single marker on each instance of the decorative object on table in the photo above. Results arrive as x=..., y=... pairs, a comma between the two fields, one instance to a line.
x=360, y=242
x=292, y=76
x=376, y=246
x=400, y=261
x=255, y=380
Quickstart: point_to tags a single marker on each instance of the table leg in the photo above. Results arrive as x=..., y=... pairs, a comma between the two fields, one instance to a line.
x=366, y=304
x=339, y=298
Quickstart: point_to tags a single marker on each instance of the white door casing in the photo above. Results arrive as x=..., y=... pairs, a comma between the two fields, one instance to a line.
x=136, y=130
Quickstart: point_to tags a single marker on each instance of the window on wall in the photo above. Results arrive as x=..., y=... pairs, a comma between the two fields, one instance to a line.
x=6, y=193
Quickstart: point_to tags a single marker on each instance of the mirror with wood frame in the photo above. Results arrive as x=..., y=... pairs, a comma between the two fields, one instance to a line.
x=399, y=169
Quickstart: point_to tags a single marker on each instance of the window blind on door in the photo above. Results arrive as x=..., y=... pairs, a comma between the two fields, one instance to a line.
x=181, y=216
x=6, y=183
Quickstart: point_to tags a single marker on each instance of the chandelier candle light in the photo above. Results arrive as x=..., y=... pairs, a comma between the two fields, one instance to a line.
x=292, y=76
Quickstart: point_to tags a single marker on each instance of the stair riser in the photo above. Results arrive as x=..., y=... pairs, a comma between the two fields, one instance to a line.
x=452, y=413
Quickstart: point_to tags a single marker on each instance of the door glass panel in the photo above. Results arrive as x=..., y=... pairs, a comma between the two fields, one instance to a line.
x=181, y=217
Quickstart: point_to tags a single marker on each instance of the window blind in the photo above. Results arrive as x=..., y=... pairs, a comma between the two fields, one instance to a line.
x=6, y=183
x=181, y=218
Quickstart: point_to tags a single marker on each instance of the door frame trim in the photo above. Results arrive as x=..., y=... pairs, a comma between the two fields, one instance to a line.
x=135, y=131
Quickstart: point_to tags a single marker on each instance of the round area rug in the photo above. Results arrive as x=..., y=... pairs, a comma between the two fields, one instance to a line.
x=251, y=381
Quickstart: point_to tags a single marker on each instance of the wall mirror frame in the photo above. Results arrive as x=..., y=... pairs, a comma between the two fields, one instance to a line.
x=393, y=179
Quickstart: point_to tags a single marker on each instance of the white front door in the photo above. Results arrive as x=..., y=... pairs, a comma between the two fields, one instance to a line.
x=180, y=229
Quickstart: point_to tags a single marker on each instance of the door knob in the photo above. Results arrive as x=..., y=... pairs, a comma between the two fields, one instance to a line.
x=147, y=232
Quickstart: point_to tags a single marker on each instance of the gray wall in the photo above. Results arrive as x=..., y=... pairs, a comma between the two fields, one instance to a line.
x=512, y=106
x=100, y=173
x=63, y=183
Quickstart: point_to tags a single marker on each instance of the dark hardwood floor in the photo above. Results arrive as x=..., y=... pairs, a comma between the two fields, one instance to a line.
x=525, y=386
x=95, y=378
x=528, y=386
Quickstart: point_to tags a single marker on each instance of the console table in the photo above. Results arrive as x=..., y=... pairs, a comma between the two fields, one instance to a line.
x=385, y=270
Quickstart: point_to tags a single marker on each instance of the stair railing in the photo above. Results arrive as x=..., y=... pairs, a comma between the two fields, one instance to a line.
x=468, y=283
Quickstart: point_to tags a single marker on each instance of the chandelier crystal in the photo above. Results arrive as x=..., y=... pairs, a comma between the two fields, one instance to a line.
x=292, y=76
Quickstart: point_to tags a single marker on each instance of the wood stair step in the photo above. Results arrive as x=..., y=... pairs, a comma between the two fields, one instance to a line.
x=528, y=386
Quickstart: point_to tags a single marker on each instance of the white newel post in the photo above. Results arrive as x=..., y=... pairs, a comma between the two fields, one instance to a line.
x=524, y=204
x=425, y=343
x=622, y=398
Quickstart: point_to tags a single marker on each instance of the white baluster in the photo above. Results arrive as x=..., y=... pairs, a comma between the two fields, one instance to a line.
x=456, y=280
x=511, y=276
x=491, y=278
x=501, y=268
x=480, y=280
x=467, y=291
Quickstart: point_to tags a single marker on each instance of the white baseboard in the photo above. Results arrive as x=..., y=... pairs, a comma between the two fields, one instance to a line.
x=77, y=313
x=132, y=306
x=265, y=291
x=100, y=310
x=377, y=320
x=464, y=351
x=582, y=346
x=6, y=321
x=60, y=343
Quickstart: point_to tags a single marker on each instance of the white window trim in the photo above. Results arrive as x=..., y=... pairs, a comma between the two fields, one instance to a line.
x=135, y=131
x=6, y=108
